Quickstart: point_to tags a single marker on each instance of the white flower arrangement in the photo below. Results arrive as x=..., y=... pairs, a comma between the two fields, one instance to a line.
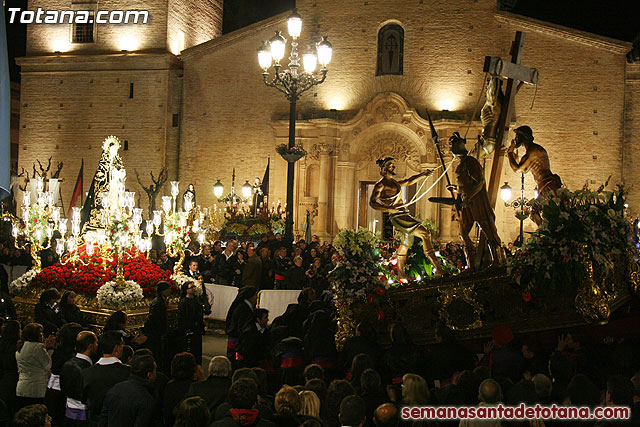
x=353, y=242
x=181, y=279
x=109, y=296
x=21, y=283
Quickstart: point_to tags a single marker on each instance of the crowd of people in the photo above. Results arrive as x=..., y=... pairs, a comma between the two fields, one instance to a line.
x=287, y=372
x=284, y=371
x=269, y=264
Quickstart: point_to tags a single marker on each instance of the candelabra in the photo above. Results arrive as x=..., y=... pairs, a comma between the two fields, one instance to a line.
x=177, y=226
x=293, y=82
x=521, y=205
x=39, y=221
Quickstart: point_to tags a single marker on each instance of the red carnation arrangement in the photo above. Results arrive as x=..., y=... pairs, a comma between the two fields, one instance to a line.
x=87, y=276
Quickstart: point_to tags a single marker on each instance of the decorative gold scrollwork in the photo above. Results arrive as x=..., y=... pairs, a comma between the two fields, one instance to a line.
x=633, y=272
x=346, y=324
x=592, y=301
x=459, y=308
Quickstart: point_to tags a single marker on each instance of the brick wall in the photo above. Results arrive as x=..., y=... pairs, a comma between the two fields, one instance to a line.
x=227, y=114
x=577, y=114
x=632, y=136
x=198, y=20
x=67, y=115
x=44, y=39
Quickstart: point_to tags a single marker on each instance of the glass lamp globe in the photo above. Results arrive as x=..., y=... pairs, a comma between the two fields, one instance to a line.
x=294, y=24
x=175, y=188
x=505, y=192
x=26, y=199
x=264, y=56
x=157, y=218
x=166, y=204
x=310, y=62
x=60, y=246
x=246, y=189
x=62, y=226
x=277, y=44
x=218, y=189
x=325, y=50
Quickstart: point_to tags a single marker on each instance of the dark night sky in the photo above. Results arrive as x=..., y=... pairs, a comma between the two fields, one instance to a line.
x=611, y=18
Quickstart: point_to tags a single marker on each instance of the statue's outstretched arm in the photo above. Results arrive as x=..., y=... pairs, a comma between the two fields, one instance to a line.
x=415, y=178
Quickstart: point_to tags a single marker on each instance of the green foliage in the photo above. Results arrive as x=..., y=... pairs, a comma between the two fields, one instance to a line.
x=575, y=225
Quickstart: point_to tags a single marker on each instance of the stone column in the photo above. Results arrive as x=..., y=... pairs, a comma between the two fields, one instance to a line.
x=323, y=191
x=346, y=197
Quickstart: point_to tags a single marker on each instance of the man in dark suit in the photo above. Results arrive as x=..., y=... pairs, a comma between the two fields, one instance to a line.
x=252, y=273
x=254, y=344
x=71, y=377
x=225, y=264
x=192, y=271
x=214, y=389
x=131, y=402
x=108, y=371
x=156, y=326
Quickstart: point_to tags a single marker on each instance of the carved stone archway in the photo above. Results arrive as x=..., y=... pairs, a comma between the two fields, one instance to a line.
x=342, y=154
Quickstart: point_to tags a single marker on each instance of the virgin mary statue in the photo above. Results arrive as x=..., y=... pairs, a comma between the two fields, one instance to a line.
x=110, y=164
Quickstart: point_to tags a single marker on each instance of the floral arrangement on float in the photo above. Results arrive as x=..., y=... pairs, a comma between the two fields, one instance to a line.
x=241, y=223
x=584, y=238
x=357, y=276
x=92, y=277
x=114, y=296
x=418, y=266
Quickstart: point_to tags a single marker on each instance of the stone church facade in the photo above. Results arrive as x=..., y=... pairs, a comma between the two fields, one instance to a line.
x=206, y=111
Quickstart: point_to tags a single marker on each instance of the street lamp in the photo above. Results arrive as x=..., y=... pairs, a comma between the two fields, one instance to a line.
x=232, y=198
x=218, y=189
x=521, y=205
x=293, y=82
x=247, y=190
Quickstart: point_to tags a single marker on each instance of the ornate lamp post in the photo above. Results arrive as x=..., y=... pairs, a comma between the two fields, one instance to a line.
x=293, y=82
x=521, y=205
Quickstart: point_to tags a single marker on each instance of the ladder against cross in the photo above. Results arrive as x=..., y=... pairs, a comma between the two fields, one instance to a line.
x=514, y=73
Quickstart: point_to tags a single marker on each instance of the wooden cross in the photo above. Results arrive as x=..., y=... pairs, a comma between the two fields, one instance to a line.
x=514, y=73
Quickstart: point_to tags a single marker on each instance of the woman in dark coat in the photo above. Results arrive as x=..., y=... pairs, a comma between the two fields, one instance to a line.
x=118, y=322
x=70, y=311
x=238, y=315
x=191, y=321
x=319, y=343
x=47, y=312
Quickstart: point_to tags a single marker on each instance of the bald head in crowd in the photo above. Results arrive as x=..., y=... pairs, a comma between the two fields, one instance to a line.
x=86, y=343
x=489, y=391
x=220, y=366
x=386, y=415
